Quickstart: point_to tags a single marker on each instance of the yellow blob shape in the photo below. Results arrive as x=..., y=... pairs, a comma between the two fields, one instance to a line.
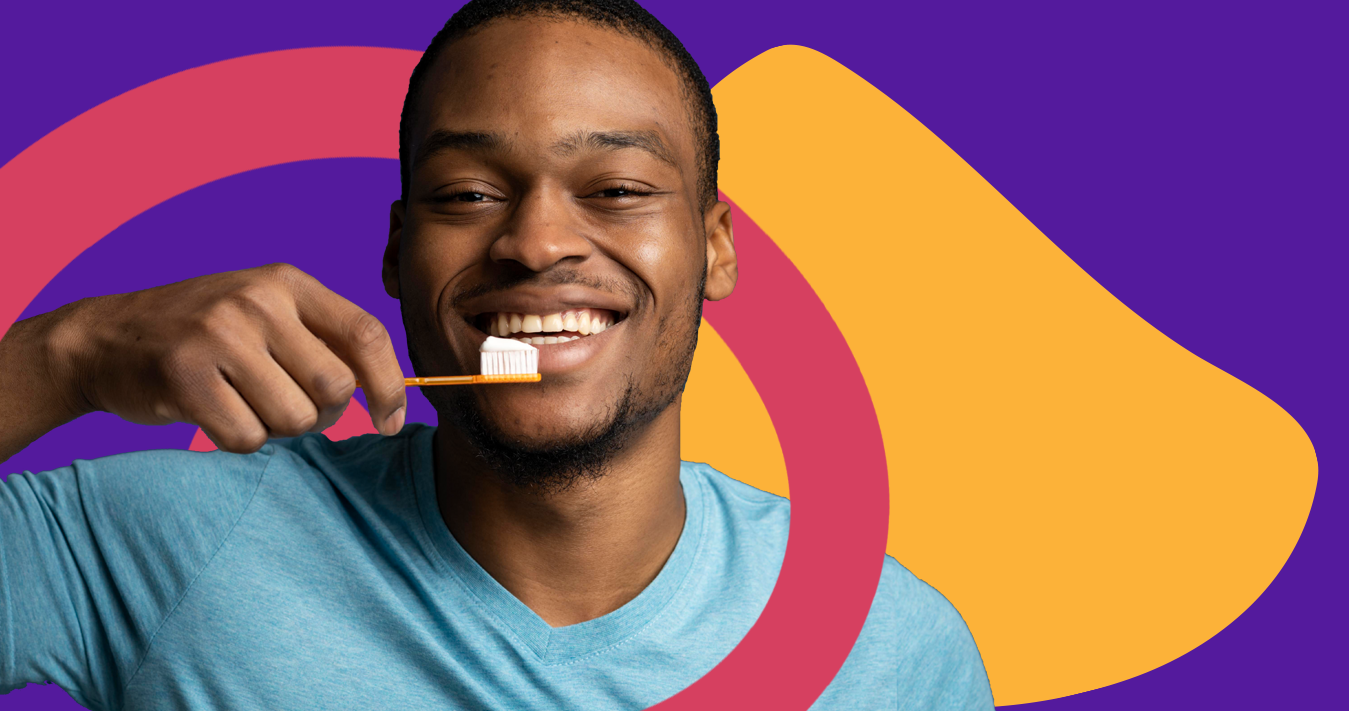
x=1093, y=498
x=723, y=422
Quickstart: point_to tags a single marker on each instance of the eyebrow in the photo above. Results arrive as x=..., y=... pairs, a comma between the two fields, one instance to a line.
x=648, y=141
x=442, y=140
x=484, y=142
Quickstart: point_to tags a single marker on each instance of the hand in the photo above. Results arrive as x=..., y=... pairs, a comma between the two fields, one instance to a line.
x=246, y=355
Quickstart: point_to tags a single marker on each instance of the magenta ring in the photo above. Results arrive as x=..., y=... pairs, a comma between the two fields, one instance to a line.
x=197, y=126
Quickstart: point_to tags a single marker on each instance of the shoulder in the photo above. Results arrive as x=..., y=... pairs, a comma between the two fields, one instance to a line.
x=141, y=523
x=914, y=652
x=365, y=467
x=179, y=489
x=939, y=663
x=742, y=530
x=734, y=493
x=140, y=487
x=318, y=452
x=155, y=495
x=915, y=604
x=738, y=504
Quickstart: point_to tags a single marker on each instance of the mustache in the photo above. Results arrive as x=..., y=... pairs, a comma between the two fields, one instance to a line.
x=553, y=277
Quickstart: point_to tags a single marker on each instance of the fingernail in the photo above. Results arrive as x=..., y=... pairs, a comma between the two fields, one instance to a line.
x=395, y=421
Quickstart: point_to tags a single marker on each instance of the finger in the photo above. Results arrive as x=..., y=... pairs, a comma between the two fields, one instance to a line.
x=362, y=342
x=283, y=406
x=221, y=412
x=327, y=381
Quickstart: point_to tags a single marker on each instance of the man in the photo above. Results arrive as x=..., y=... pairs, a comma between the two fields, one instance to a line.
x=543, y=547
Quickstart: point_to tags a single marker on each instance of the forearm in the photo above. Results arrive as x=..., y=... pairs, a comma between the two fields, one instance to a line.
x=39, y=389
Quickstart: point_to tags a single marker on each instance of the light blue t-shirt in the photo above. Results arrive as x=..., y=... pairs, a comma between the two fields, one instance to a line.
x=320, y=575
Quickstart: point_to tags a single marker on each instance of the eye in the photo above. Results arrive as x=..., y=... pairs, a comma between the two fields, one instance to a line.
x=466, y=192
x=465, y=197
x=621, y=191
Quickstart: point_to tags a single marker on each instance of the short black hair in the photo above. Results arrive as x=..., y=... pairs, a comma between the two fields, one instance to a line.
x=624, y=16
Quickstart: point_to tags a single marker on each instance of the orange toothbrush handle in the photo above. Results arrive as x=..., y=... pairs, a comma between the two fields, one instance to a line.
x=469, y=379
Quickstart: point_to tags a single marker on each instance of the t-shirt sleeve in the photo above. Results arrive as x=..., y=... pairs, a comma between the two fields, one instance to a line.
x=940, y=667
x=94, y=557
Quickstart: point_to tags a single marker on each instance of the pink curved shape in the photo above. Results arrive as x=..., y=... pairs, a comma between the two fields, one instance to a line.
x=831, y=441
x=164, y=138
x=169, y=136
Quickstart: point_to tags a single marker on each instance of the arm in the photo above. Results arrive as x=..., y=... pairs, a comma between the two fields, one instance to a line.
x=94, y=558
x=245, y=355
x=940, y=668
x=37, y=394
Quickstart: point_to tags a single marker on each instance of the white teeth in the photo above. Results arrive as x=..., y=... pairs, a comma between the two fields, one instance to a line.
x=537, y=340
x=580, y=322
x=550, y=340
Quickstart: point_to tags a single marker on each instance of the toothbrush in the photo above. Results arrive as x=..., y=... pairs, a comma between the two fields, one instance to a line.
x=503, y=360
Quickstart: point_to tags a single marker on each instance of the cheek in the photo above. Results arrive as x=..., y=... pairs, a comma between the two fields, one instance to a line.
x=427, y=258
x=669, y=265
x=649, y=253
x=430, y=263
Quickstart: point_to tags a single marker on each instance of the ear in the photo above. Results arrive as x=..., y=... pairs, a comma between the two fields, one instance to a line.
x=722, y=271
x=397, y=213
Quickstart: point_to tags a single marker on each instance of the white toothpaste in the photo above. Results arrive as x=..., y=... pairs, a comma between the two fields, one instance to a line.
x=497, y=345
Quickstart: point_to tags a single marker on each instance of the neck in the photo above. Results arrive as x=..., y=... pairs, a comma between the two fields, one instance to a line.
x=573, y=555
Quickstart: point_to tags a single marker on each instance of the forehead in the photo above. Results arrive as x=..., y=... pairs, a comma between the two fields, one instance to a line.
x=537, y=81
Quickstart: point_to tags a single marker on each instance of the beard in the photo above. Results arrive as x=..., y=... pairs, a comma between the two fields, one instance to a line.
x=559, y=463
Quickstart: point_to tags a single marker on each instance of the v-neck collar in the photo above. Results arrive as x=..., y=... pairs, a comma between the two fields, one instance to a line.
x=556, y=644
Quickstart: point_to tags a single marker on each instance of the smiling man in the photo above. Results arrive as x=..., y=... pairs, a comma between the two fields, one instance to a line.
x=543, y=547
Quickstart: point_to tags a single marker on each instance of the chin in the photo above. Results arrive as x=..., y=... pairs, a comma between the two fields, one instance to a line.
x=535, y=416
x=547, y=447
x=547, y=429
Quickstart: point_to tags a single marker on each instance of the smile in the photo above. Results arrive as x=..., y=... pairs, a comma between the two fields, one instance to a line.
x=547, y=329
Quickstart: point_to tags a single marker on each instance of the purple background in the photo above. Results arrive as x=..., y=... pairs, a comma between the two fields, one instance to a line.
x=1189, y=156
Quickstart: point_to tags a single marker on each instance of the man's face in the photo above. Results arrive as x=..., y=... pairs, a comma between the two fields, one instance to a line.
x=553, y=181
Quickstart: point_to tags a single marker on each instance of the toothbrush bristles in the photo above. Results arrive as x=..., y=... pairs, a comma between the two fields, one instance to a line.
x=510, y=363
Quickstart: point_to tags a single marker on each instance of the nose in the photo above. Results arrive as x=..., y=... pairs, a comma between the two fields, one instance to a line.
x=543, y=231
